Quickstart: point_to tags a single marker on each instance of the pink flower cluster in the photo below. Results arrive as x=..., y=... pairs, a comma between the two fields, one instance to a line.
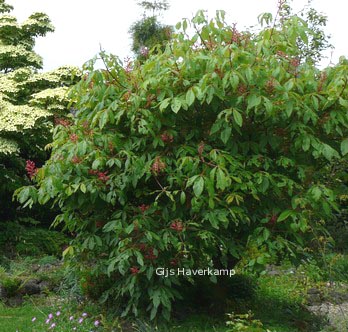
x=31, y=168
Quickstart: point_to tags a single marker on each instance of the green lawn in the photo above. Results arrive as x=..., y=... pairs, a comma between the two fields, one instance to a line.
x=19, y=318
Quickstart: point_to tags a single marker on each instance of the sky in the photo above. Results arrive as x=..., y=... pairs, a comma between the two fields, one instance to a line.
x=81, y=26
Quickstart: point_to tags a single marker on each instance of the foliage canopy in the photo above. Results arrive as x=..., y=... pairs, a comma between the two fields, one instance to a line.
x=205, y=154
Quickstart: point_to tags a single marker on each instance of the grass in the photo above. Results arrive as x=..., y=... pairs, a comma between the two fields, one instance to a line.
x=280, y=304
x=19, y=318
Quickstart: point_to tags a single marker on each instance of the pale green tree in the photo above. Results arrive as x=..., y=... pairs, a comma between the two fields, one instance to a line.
x=29, y=100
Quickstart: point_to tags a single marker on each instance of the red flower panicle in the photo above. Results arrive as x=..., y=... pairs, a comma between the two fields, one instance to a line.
x=273, y=219
x=142, y=246
x=99, y=224
x=177, y=226
x=31, y=169
x=144, y=208
x=134, y=270
x=236, y=35
x=174, y=262
x=74, y=138
x=75, y=160
x=103, y=177
x=165, y=137
x=150, y=254
x=158, y=166
x=62, y=122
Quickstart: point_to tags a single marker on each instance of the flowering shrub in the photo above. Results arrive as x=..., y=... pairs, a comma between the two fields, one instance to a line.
x=204, y=155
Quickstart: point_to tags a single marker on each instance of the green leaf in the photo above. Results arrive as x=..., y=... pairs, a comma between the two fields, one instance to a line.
x=329, y=152
x=220, y=179
x=191, y=180
x=103, y=119
x=176, y=105
x=129, y=229
x=111, y=266
x=344, y=147
x=284, y=215
x=264, y=184
x=216, y=126
x=83, y=188
x=190, y=97
x=226, y=134
x=236, y=179
x=210, y=94
x=303, y=36
x=198, y=186
x=96, y=164
x=289, y=107
x=265, y=234
x=82, y=148
x=182, y=197
x=306, y=143
x=91, y=243
x=149, y=272
x=316, y=193
x=254, y=101
x=153, y=313
x=343, y=102
x=23, y=195
x=249, y=75
x=164, y=104
x=234, y=79
x=289, y=85
x=139, y=256
x=238, y=117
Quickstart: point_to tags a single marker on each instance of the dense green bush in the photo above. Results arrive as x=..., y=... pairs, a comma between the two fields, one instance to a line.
x=17, y=239
x=204, y=155
x=10, y=285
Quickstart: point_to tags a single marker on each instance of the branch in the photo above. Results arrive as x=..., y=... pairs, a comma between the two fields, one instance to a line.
x=108, y=70
x=200, y=36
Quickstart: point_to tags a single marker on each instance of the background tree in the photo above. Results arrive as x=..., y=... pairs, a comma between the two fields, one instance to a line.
x=29, y=100
x=316, y=41
x=149, y=32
